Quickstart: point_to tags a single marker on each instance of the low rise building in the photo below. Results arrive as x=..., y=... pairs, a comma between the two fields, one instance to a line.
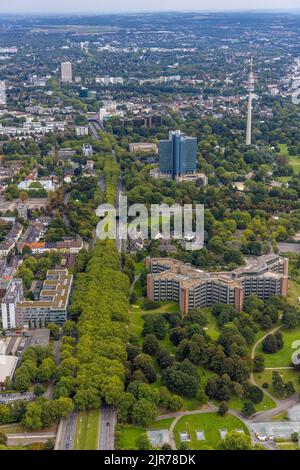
x=8, y=366
x=143, y=147
x=67, y=246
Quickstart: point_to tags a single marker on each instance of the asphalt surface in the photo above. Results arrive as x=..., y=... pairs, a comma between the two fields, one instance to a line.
x=108, y=420
x=66, y=433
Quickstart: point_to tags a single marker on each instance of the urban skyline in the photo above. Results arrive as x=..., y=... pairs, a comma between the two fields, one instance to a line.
x=116, y=6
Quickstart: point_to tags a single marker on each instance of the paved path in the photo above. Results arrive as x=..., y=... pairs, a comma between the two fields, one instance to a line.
x=135, y=280
x=209, y=408
x=252, y=377
x=281, y=405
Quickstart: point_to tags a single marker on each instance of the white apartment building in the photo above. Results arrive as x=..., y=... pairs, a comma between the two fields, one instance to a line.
x=2, y=93
x=66, y=72
x=13, y=295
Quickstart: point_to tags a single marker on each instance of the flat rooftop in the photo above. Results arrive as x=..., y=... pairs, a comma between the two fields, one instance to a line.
x=188, y=275
x=7, y=367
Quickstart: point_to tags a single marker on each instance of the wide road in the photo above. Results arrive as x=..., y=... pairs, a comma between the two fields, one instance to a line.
x=108, y=420
x=66, y=432
x=120, y=244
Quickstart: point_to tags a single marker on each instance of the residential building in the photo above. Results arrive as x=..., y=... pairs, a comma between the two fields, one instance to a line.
x=52, y=304
x=81, y=131
x=67, y=246
x=174, y=280
x=13, y=295
x=178, y=155
x=2, y=93
x=87, y=150
x=66, y=72
x=50, y=308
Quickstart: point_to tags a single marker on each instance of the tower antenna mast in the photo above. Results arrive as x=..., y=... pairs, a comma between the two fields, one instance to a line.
x=250, y=89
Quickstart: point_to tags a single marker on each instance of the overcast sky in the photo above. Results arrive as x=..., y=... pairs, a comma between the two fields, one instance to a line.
x=50, y=6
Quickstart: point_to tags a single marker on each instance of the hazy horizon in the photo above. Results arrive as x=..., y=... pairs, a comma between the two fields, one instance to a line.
x=132, y=6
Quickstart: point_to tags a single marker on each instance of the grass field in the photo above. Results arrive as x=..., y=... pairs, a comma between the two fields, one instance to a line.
x=283, y=357
x=293, y=293
x=294, y=160
x=287, y=375
x=210, y=423
x=288, y=445
x=87, y=430
x=266, y=404
x=128, y=436
x=137, y=322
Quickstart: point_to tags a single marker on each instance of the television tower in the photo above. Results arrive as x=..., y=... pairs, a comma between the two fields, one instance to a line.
x=250, y=89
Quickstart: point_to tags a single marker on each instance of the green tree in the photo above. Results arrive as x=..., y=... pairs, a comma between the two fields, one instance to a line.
x=235, y=440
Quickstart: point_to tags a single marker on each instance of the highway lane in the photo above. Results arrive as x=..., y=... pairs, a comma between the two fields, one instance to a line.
x=66, y=432
x=108, y=420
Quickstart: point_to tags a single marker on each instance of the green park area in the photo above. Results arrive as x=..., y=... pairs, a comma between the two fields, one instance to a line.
x=127, y=435
x=210, y=424
x=287, y=375
x=283, y=357
x=294, y=162
x=87, y=430
x=136, y=327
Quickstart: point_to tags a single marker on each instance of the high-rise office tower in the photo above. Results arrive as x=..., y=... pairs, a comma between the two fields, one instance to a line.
x=66, y=72
x=178, y=155
x=2, y=93
x=250, y=89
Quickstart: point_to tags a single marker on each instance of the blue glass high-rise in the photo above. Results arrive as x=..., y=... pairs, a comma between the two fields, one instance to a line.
x=178, y=155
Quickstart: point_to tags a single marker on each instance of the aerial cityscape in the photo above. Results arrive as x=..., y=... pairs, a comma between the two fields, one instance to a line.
x=138, y=343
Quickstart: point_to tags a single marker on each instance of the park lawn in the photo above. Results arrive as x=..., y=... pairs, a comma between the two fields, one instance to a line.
x=139, y=267
x=288, y=445
x=237, y=404
x=295, y=163
x=212, y=328
x=210, y=423
x=283, y=357
x=287, y=376
x=128, y=436
x=87, y=430
x=293, y=293
x=138, y=288
x=294, y=160
x=136, y=319
x=161, y=424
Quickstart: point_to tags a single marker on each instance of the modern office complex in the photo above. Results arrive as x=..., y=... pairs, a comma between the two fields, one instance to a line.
x=178, y=155
x=66, y=72
x=50, y=308
x=173, y=280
